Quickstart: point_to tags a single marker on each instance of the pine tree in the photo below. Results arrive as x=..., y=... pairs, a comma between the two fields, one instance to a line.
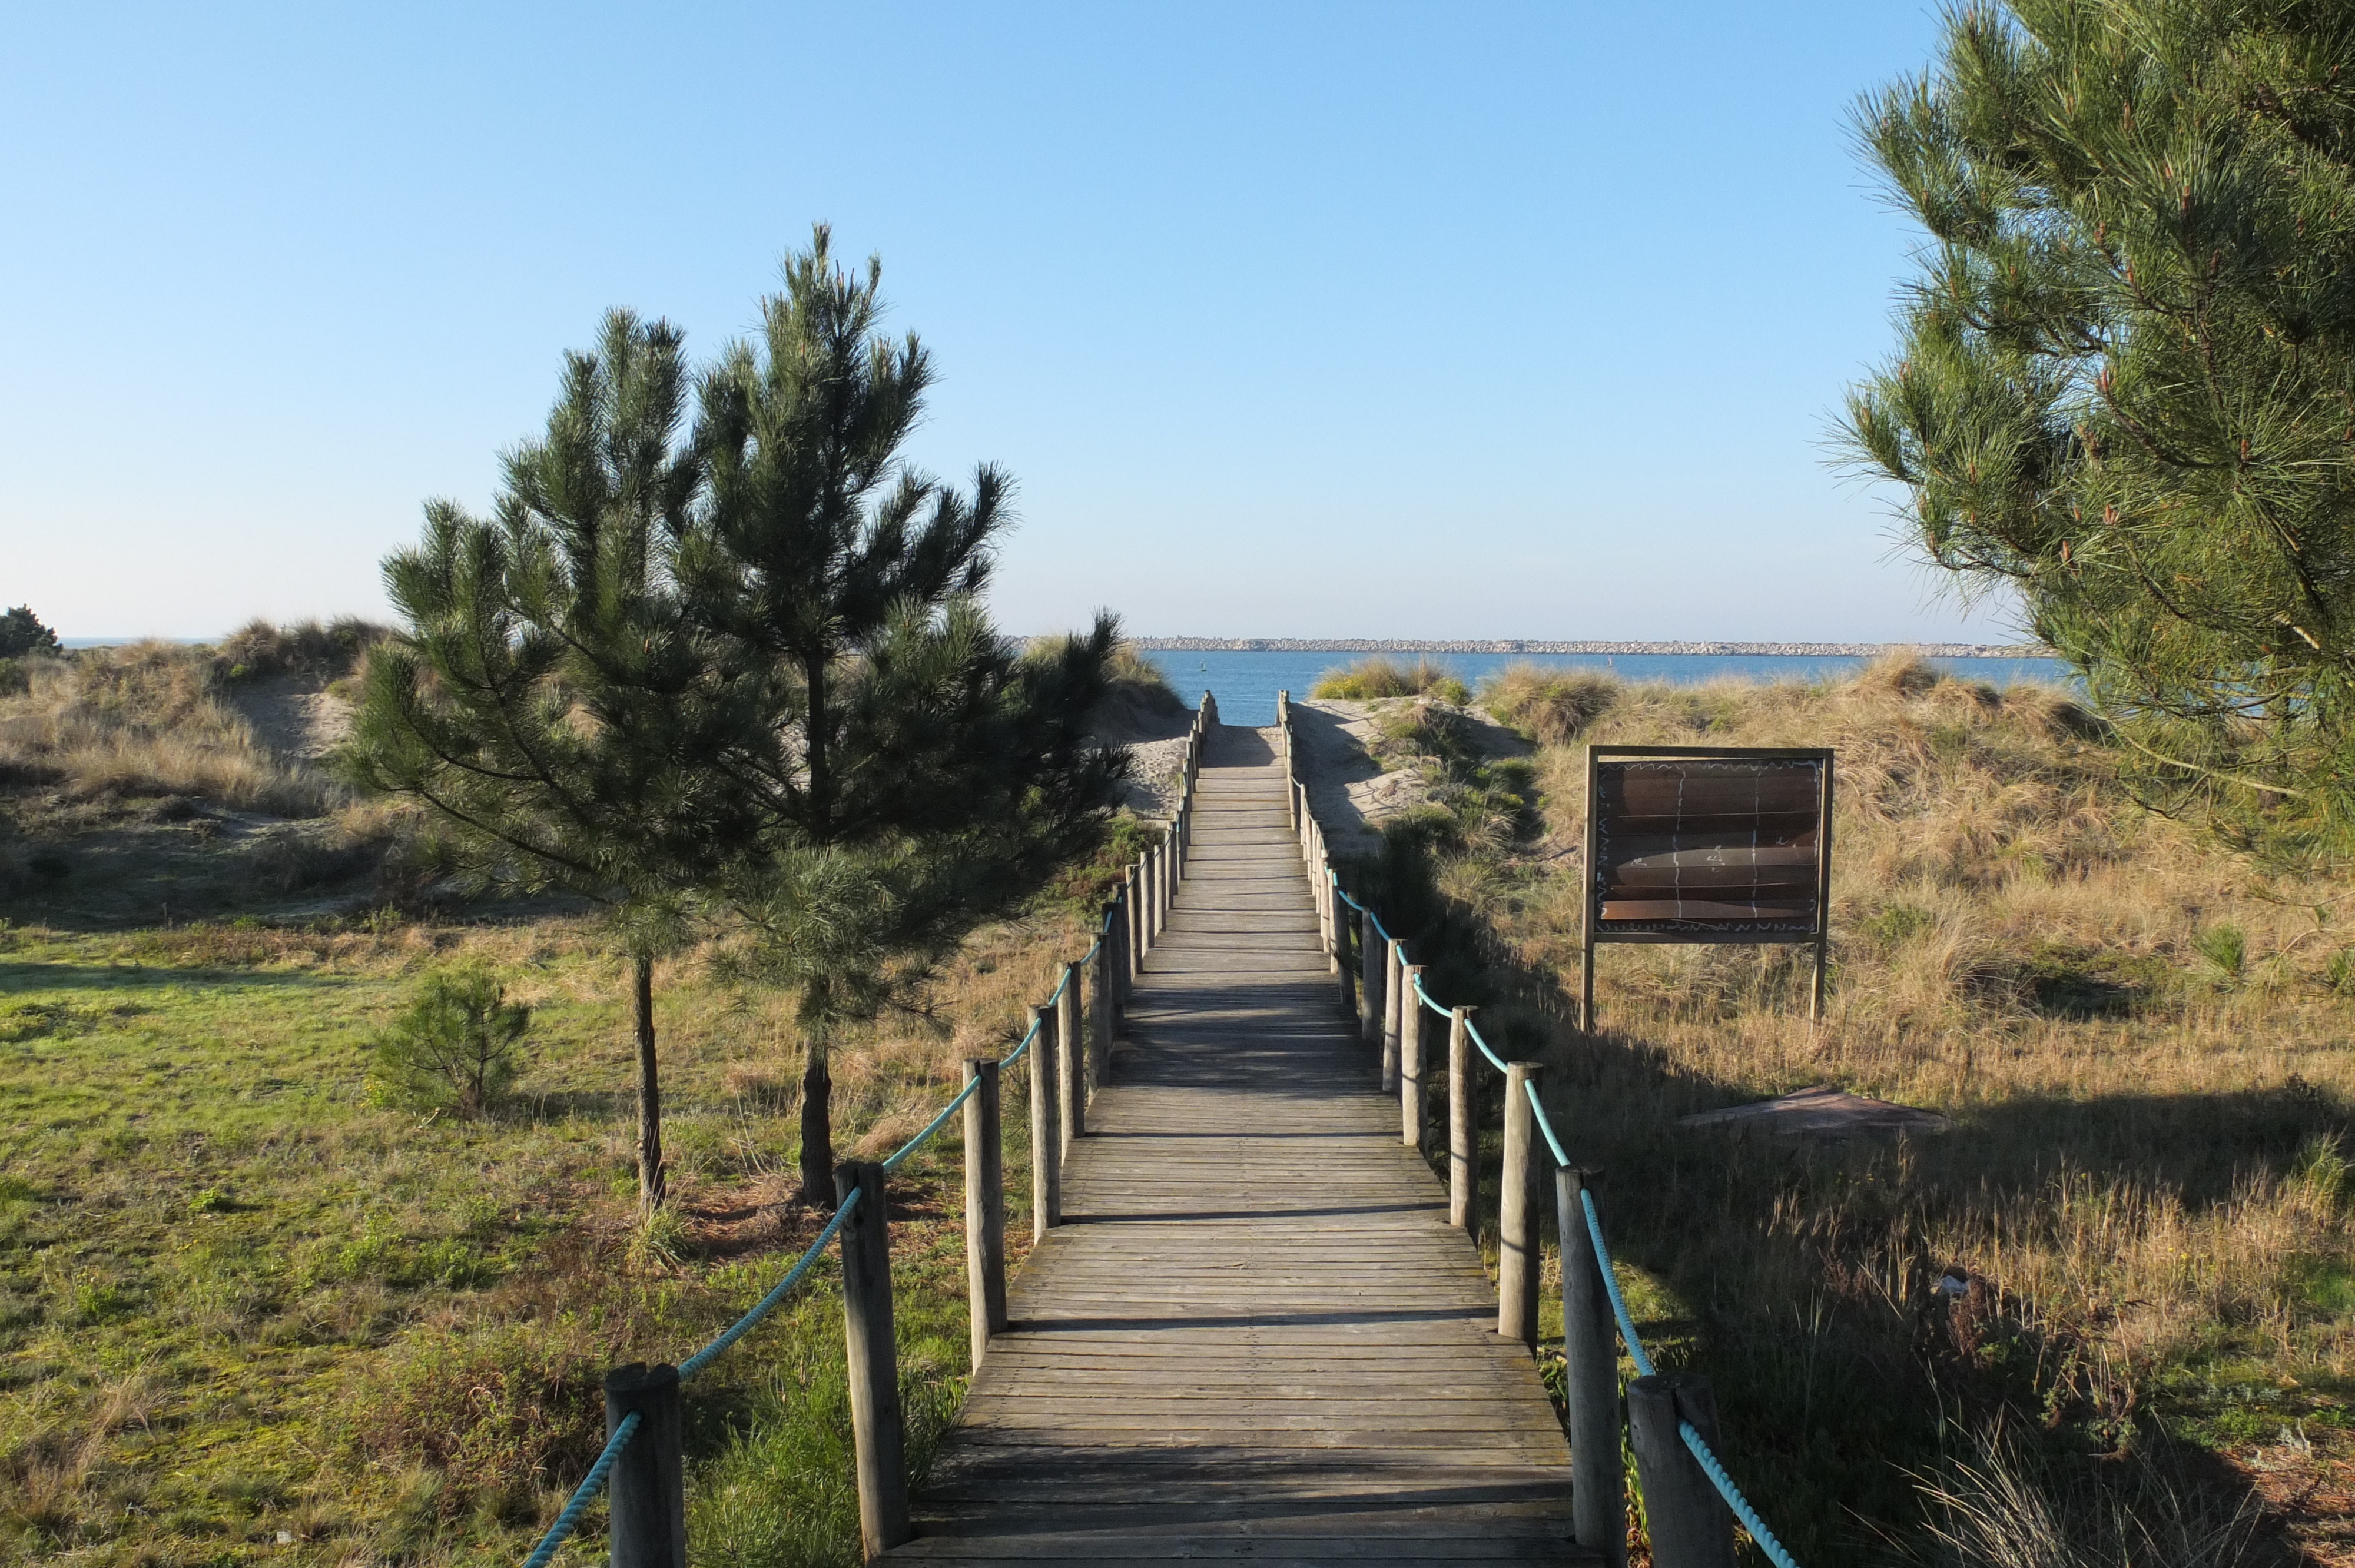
x=549, y=699
x=2126, y=381
x=915, y=773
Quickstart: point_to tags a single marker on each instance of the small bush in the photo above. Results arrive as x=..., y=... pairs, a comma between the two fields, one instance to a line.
x=1550, y=707
x=455, y=1046
x=1380, y=676
x=2226, y=949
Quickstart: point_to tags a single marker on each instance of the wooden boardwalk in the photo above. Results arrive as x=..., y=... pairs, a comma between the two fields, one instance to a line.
x=1255, y=1336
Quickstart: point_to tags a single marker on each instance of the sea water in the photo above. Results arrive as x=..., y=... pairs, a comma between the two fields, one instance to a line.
x=1245, y=682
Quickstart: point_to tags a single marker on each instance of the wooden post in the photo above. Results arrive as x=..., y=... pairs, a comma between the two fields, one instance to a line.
x=878, y=1434
x=1411, y=1063
x=1148, y=902
x=1591, y=895
x=1517, y=1212
x=1046, y=1130
x=1132, y=938
x=1100, y=1012
x=1072, y=1057
x=1463, y=1133
x=649, y=1485
x=1393, y=997
x=1823, y=894
x=1322, y=886
x=985, y=1207
x=1371, y=959
x=1689, y=1525
x=1115, y=955
x=1598, y=1472
x=1345, y=983
x=1161, y=857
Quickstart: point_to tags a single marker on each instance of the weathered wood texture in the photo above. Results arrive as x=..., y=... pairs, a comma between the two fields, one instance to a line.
x=1254, y=1335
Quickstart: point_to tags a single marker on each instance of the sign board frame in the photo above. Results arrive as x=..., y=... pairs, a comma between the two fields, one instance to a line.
x=1595, y=931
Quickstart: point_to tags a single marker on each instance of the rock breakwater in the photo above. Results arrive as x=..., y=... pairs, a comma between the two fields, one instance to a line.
x=1520, y=645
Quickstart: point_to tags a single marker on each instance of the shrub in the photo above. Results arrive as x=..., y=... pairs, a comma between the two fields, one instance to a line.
x=21, y=632
x=455, y=1045
x=1380, y=676
x=1550, y=707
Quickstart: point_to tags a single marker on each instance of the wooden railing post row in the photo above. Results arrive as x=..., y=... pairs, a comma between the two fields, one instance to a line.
x=1517, y=1212
x=1046, y=1130
x=877, y=1432
x=1463, y=1133
x=1410, y=1062
x=1598, y=1470
x=1689, y=1525
x=649, y=1485
x=1071, y=1056
x=984, y=1206
x=1371, y=959
x=1393, y=998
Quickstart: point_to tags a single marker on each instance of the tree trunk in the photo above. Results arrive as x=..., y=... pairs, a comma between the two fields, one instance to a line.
x=818, y=1125
x=650, y=1171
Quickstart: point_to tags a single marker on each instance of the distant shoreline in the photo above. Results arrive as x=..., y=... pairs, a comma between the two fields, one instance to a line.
x=1517, y=645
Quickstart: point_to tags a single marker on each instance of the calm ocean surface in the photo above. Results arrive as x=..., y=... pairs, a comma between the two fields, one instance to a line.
x=1246, y=682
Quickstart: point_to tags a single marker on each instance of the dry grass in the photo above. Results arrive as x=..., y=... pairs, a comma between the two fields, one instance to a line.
x=148, y=719
x=2142, y=1039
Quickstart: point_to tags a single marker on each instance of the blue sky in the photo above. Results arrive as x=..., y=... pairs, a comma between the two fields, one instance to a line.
x=1348, y=319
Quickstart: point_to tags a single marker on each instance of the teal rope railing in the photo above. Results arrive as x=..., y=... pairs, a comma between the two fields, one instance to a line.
x=1416, y=982
x=1529, y=1086
x=1361, y=909
x=1709, y=1463
x=1015, y=1054
x=767, y=1304
x=585, y=1494
x=1472, y=1031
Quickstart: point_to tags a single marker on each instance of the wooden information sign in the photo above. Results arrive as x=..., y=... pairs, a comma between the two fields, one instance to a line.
x=1706, y=843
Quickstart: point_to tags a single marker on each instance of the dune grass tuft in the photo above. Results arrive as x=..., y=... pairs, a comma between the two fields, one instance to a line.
x=1380, y=676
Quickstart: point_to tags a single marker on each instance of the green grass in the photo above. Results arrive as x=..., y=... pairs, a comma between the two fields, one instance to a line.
x=248, y=1315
